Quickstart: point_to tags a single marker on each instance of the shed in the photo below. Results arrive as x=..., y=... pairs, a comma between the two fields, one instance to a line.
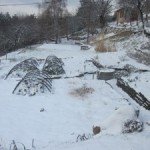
x=120, y=15
x=123, y=15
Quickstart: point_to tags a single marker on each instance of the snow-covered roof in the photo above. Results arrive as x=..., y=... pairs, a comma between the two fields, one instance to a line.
x=115, y=6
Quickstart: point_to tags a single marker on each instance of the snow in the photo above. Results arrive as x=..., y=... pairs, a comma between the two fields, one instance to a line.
x=115, y=6
x=120, y=116
x=67, y=116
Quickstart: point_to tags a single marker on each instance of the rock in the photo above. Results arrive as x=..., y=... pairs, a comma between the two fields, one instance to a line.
x=96, y=130
x=42, y=110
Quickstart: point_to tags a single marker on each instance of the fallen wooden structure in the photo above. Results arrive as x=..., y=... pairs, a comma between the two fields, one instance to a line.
x=138, y=97
x=95, y=63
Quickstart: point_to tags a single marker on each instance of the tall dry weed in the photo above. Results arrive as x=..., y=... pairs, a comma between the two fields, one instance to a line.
x=105, y=45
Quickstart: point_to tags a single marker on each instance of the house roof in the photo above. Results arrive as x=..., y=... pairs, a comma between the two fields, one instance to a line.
x=115, y=6
x=121, y=8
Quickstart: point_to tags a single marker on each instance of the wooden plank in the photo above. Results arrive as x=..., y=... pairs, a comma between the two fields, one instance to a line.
x=138, y=97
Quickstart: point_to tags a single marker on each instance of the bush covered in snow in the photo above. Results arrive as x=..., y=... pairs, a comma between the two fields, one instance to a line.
x=131, y=126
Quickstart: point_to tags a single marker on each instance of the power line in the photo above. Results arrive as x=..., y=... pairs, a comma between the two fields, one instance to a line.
x=21, y=4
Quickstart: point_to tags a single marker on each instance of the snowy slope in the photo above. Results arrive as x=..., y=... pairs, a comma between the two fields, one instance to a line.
x=66, y=116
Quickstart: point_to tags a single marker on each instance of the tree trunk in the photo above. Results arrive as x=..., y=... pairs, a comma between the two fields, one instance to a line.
x=88, y=26
x=56, y=26
x=5, y=51
x=141, y=13
x=88, y=34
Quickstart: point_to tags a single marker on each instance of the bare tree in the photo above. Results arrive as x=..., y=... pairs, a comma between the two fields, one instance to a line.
x=147, y=8
x=55, y=8
x=136, y=5
x=103, y=8
x=86, y=14
x=17, y=32
x=93, y=11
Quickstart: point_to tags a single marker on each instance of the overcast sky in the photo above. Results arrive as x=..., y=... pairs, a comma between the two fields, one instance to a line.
x=30, y=9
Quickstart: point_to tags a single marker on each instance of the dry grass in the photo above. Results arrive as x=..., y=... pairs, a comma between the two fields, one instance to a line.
x=82, y=91
x=104, y=45
x=100, y=47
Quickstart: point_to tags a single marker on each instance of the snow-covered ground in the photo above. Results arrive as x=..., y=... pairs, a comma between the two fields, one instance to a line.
x=67, y=115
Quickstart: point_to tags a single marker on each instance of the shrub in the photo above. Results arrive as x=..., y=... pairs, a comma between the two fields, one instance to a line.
x=100, y=47
x=82, y=92
x=132, y=126
x=104, y=45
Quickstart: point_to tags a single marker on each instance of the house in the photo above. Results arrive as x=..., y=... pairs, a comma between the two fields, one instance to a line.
x=123, y=15
x=120, y=15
